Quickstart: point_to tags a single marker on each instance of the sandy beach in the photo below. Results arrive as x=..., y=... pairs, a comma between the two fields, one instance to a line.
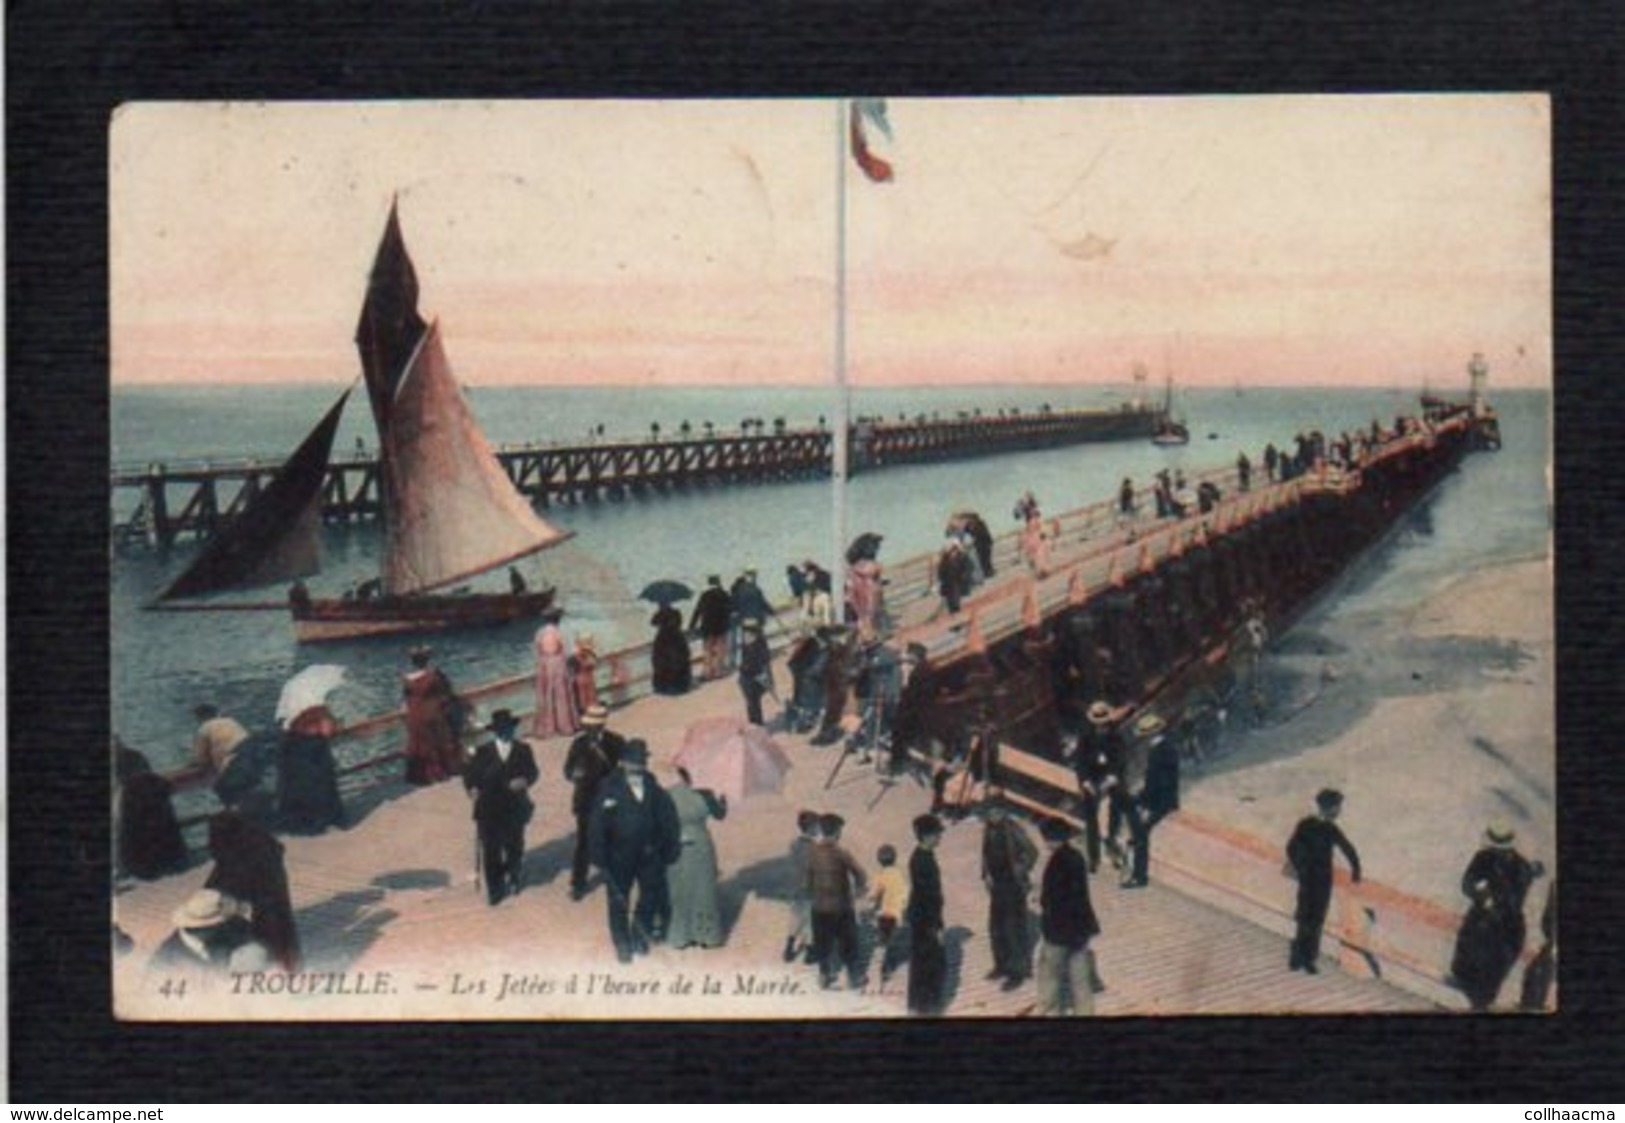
x=1433, y=720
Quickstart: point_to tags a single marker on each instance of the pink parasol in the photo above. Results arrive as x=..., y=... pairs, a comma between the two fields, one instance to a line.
x=732, y=758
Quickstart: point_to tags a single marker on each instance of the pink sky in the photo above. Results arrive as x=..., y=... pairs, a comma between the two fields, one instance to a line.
x=1376, y=240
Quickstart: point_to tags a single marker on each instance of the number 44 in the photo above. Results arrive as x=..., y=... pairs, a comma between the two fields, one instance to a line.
x=172, y=988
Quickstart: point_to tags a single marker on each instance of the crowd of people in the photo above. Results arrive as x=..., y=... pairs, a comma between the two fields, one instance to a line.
x=850, y=684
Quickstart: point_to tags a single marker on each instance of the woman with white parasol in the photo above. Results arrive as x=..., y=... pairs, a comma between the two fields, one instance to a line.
x=307, y=795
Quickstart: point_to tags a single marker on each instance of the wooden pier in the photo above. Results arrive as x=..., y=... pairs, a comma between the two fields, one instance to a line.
x=166, y=501
x=1135, y=608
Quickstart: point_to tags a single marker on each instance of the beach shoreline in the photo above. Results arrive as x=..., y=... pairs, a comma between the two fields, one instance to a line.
x=1434, y=718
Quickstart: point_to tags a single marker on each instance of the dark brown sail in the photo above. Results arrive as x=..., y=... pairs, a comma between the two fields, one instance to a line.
x=275, y=538
x=390, y=328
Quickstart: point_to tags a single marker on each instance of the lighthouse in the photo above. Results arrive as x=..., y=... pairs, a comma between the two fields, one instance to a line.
x=1478, y=372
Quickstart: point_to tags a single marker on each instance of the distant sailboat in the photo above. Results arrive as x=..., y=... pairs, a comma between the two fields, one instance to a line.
x=450, y=513
x=1168, y=431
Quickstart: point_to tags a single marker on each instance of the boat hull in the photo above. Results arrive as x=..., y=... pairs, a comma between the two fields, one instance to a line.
x=327, y=621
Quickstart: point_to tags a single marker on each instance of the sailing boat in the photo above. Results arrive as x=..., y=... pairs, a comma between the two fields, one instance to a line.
x=450, y=512
x=1169, y=431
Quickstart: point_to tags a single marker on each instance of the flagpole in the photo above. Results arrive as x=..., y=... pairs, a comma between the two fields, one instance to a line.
x=838, y=464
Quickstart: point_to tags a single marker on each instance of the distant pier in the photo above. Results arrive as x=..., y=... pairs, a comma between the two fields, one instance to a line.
x=178, y=499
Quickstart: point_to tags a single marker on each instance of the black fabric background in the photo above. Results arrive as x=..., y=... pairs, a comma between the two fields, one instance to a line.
x=68, y=65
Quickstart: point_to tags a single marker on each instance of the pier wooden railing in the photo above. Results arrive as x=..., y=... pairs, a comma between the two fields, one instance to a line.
x=1095, y=550
x=570, y=472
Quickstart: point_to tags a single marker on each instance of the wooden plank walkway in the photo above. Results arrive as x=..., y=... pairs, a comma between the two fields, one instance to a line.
x=395, y=892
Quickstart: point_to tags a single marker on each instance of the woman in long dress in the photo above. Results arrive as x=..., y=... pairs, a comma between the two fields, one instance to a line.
x=584, y=672
x=556, y=714
x=696, y=913
x=673, y=672
x=149, y=836
x=433, y=751
x=308, y=800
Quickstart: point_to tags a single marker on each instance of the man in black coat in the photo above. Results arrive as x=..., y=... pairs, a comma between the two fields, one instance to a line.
x=499, y=779
x=713, y=616
x=1157, y=798
x=593, y=755
x=1099, y=767
x=1309, y=853
x=1068, y=923
x=635, y=836
x=928, y=959
x=755, y=669
x=1008, y=858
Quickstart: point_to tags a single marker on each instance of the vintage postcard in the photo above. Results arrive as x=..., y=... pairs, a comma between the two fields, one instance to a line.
x=842, y=558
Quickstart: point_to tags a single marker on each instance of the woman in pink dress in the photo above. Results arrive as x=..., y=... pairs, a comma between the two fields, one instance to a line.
x=864, y=595
x=1035, y=546
x=584, y=672
x=556, y=714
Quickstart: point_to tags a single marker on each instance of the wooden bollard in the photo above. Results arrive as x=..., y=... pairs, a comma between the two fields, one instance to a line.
x=975, y=641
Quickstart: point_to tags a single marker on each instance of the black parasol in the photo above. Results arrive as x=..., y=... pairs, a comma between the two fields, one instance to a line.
x=665, y=592
x=864, y=547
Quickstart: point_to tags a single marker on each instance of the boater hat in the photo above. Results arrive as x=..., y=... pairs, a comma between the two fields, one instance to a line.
x=595, y=715
x=1150, y=725
x=1500, y=834
x=207, y=908
x=1100, y=713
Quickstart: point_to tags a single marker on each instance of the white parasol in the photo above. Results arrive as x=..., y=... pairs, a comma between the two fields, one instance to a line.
x=310, y=687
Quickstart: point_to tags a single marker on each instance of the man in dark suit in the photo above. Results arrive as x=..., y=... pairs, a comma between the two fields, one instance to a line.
x=713, y=615
x=755, y=669
x=1065, y=963
x=593, y=755
x=635, y=836
x=1099, y=766
x=1309, y=853
x=1157, y=798
x=927, y=959
x=499, y=780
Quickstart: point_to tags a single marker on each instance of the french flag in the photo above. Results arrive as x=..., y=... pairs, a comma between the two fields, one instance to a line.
x=870, y=112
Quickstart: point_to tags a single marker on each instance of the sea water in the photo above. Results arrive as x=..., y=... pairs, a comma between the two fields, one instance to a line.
x=1496, y=509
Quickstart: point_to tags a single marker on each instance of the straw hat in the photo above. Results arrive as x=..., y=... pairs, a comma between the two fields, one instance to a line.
x=1500, y=834
x=1100, y=713
x=1149, y=725
x=596, y=714
x=207, y=908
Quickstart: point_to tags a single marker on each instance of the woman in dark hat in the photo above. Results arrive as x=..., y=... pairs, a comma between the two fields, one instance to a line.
x=433, y=751
x=1492, y=933
x=671, y=659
